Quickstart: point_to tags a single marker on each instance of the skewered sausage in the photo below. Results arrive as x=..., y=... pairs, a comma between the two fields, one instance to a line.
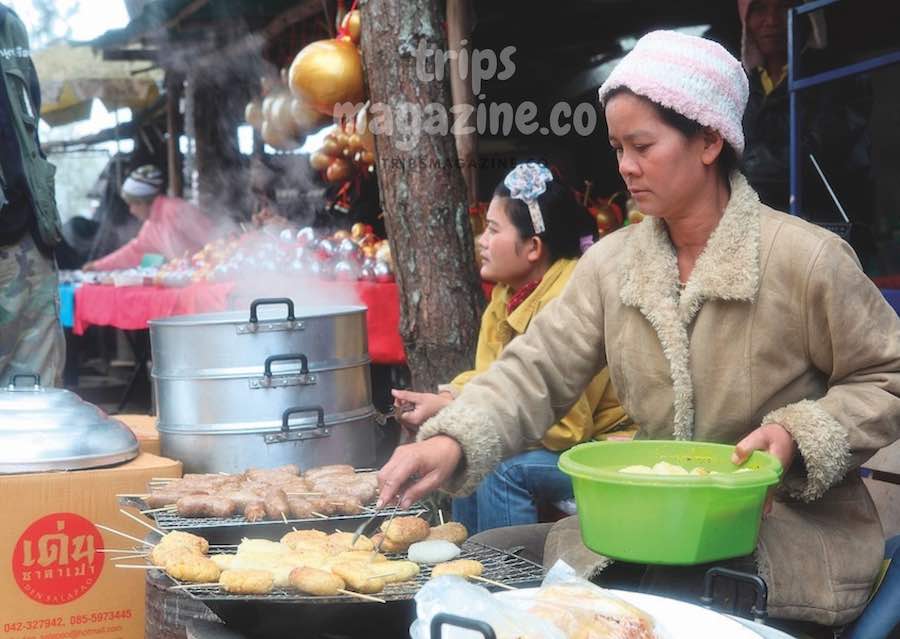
x=335, y=469
x=287, y=469
x=346, y=505
x=255, y=511
x=313, y=581
x=276, y=503
x=300, y=507
x=204, y=506
x=459, y=567
x=247, y=582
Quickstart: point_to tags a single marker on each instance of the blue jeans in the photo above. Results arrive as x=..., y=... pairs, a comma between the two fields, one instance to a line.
x=509, y=495
x=881, y=618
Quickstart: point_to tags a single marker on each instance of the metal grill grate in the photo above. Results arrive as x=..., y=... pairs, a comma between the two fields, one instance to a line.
x=499, y=565
x=172, y=521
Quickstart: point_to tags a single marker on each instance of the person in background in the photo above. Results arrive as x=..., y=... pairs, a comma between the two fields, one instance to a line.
x=831, y=128
x=171, y=226
x=530, y=247
x=31, y=338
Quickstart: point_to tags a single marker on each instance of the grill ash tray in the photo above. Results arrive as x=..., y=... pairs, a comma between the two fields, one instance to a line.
x=283, y=613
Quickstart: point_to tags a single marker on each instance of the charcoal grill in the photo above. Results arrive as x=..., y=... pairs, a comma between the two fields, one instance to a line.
x=284, y=613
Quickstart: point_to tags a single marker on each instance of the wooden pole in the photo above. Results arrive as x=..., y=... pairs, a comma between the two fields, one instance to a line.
x=174, y=90
x=459, y=31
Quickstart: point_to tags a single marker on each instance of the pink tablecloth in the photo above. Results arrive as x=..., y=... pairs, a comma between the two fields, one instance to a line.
x=131, y=307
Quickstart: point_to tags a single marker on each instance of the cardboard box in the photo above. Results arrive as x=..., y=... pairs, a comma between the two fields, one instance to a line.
x=144, y=428
x=54, y=584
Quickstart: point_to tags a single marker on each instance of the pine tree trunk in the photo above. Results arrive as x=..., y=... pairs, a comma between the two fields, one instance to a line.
x=423, y=196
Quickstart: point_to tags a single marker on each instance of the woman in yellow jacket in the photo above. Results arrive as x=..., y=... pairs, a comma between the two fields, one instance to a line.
x=530, y=252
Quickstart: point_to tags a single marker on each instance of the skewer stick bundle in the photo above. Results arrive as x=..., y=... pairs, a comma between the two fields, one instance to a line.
x=126, y=535
x=142, y=522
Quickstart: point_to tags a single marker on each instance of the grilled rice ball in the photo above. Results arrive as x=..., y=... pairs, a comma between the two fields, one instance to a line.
x=313, y=581
x=193, y=568
x=224, y=562
x=360, y=577
x=452, y=531
x=405, y=530
x=396, y=571
x=297, y=539
x=360, y=555
x=161, y=554
x=176, y=537
x=247, y=582
x=459, y=567
x=386, y=545
x=344, y=540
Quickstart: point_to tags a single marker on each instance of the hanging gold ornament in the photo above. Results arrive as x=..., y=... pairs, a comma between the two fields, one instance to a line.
x=327, y=72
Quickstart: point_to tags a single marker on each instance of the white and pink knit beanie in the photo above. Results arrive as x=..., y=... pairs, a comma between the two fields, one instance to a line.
x=693, y=76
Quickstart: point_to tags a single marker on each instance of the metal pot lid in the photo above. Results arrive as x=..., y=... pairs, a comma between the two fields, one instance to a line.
x=51, y=429
x=263, y=314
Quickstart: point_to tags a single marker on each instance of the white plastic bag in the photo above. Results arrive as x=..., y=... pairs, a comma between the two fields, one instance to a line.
x=456, y=596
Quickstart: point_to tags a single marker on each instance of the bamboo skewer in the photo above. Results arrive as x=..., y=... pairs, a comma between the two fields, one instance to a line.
x=283, y=518
x=126, y=535
x=304, y=493
x=157, y=510
x=129, y=551
x=136, y=495
x=490, y=581
x=124, y=557
x=206, y=585
x=140, y=566
x=361, y=596
x=441, y=516
x=319, y=515
x=142, y=522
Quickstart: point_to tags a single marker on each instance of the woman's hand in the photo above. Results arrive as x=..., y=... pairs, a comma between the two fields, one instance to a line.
x=414, y=470
x=89, y=266
x=772, y=439
x=414, y=409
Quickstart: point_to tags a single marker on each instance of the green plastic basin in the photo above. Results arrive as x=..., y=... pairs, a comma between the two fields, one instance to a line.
x=672, y=519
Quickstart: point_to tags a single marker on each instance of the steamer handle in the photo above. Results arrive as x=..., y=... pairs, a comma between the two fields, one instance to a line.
x=320, y=420
x=254, y=318
x=442, y=618
x=287, y=357
x=33, y=376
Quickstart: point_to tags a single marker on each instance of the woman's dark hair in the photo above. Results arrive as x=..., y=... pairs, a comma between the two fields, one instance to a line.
x=727, y=160
x=565, y=220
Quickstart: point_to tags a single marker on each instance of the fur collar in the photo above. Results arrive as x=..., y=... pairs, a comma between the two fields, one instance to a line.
x=727, y=269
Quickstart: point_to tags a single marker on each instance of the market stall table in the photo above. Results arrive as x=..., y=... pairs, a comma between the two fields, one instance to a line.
x=131, y=307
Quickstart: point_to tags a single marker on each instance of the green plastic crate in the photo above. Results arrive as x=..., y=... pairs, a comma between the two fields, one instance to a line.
x=675, y=520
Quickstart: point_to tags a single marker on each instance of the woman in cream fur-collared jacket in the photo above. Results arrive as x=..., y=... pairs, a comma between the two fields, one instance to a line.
x=720, y=320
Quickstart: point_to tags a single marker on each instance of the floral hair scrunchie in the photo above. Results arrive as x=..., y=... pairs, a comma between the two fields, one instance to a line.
x=526, y=182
